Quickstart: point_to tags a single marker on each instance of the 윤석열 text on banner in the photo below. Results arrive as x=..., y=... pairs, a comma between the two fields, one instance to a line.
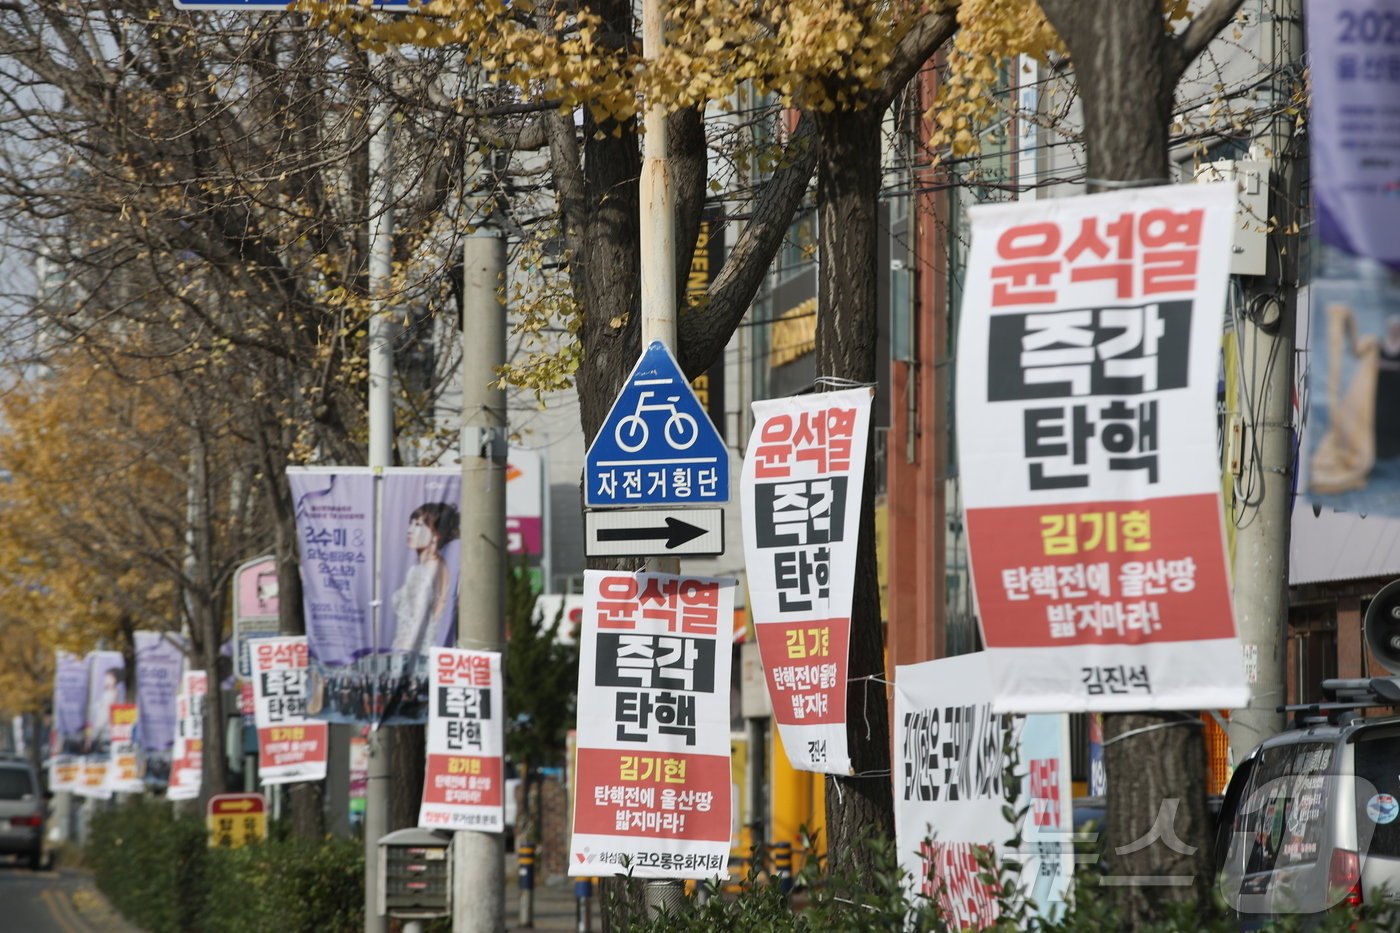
x=1087, y=358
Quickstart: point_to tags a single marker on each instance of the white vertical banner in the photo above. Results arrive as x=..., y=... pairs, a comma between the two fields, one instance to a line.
x=652, y=791
x=464, y=784
x=290, y=746
x=187, y=760
x=124, y=771
x=800, y=491
x=951, y=762
x=1088, y=350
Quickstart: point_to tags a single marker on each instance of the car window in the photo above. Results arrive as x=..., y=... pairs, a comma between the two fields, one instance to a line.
x=1281, y=820
x=15, y=783
x=1378, y=761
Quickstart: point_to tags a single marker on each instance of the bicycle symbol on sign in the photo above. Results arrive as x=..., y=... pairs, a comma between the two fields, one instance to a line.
x=680, y=429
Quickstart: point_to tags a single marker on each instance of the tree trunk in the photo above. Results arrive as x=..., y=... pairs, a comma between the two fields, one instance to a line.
x=1158, y=838
x=848, y=180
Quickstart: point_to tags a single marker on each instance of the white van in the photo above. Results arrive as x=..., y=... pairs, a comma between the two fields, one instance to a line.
x=1311, y=820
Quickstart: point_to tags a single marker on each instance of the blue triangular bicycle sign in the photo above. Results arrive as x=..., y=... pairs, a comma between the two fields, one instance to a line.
x=657, y=445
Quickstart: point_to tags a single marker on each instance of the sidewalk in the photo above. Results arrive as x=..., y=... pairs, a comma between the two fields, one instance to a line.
x=555, y=907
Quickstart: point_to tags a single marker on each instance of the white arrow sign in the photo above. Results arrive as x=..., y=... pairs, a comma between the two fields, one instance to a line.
x=653, y=532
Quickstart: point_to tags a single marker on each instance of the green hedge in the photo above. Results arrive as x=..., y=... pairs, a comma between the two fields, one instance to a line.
x=158, y=870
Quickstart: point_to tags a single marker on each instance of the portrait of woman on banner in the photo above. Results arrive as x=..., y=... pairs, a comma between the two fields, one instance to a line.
x=419, y=547
x=1355, y=403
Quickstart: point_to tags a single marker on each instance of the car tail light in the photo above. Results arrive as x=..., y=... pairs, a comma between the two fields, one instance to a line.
x=1344, y=874
x=32, y=820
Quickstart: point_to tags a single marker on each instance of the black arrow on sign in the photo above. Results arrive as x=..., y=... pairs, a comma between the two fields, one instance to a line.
x=676, y=533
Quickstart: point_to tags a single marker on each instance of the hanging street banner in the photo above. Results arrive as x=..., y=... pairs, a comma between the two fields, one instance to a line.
x=464, y=787
x=657, y=446
x=187, y=760
x=124, y=771
x=106, y=686
x=368, y=666
x=803, y=478
x=652, y=792
x=1351, y=462
x=290, y=746
x=951, y=792
x=1087, y=367
x=158, y=663
x=335, y=534
x=69, y=708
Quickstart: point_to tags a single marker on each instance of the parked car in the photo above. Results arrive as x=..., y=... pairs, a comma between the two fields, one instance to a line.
x=22, y=805
x=1310, y=822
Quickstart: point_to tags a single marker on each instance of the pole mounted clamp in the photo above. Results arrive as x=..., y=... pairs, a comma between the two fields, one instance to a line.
x=488, y=443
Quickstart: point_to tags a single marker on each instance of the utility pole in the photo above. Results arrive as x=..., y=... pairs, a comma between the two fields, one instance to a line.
x=478, y=860
x=381, y=442
x=658, y=284
x=1264, y=486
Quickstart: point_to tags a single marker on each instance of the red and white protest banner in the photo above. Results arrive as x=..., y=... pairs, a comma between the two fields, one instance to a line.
x=652, y=792
x=124, y=773
x=1088, y=350
x=187, y=757
x=290, y=746
x=464, y=787
x=803, y=477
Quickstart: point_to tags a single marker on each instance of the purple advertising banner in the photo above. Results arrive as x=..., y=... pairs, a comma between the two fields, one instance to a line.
x=69, y=701
x=335, y=531
x=69, y=710
x=367, y=666
x=106, y=685
x=418, y=553
x=1352, y=423
x=1355, y=132
x=159, y=659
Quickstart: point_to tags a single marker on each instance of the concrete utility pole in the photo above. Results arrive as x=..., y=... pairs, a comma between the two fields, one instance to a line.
x=381, y=444
x=658, y=268
x=1266, y=381
x=478, y=860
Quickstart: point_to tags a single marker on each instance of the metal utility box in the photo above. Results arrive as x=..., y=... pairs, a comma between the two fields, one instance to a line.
x=415, y=874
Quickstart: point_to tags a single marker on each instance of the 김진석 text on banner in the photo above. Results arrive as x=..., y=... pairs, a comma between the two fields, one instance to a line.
x=1087, y=358
x=651, y=796
x=801, y=495
x=290, y=746
x=465, y=780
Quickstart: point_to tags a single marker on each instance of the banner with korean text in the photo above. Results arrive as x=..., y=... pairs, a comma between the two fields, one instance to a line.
x=1086, y=395
x=465, y=780
x=187, y=756
x=652, y=792
x=290, y=746
x=159, y=659
x=124, y=772
x=69, y=707
x=953, y=756
x=803, y=478
x=369, y=645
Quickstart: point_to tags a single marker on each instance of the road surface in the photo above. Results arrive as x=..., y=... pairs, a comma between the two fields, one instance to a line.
x=53, y=901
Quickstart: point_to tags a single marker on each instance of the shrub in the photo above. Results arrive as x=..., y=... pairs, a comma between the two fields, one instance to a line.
x=157, y=869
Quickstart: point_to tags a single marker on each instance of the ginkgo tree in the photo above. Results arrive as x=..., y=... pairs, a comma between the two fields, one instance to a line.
x=130, y=502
